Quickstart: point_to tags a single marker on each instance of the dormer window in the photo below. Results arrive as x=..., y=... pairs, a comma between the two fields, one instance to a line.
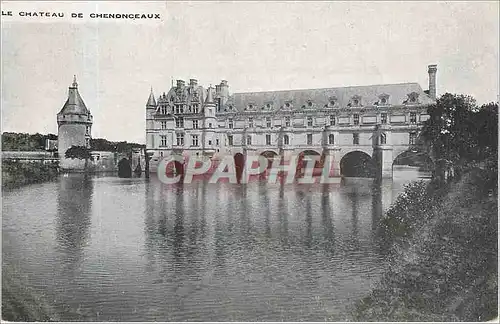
x=332, y=101
x=309, y=103
x=268, y=105
x=412, y=98
x=356, y=101
x=383, y=99
x=250, y=106
x=288, y=104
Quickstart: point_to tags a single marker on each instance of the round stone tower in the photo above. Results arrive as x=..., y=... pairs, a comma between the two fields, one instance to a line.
x=74, y=123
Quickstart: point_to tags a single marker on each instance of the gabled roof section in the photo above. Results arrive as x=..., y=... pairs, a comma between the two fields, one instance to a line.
x=74, y=104
x=320, y=98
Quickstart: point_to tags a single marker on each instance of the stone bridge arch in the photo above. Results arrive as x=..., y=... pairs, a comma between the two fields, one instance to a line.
x=357, y=163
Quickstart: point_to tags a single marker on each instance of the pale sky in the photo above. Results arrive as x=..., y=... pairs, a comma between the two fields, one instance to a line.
x=254, y=45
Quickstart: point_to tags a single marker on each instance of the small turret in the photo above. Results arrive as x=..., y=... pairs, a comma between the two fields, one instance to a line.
x=210, y=96
x=151, y=99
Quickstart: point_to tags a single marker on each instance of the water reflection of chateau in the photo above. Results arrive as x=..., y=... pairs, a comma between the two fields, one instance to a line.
x=361, y=122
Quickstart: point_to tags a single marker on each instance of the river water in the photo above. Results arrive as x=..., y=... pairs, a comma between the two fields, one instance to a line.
x=111, y=249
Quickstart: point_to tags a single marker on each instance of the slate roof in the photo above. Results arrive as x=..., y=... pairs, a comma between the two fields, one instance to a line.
x=151, y=100
x=395, y=94
x=74, y=104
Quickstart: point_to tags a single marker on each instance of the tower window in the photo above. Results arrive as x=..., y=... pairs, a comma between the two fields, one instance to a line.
x=250, y=122
x=268, y=122
x=268, y=139
x=179, y=122
x=230, y=123
x=195, y=108
x=309, y=121
x=413, y=138
x=287, y=121
x=331, y=139
x=383, y=118
x=286, y=140
x=332, y=120
x=383, y=139
x=195, y=140
x=413, y=118
x=230, y=140
x=249, y=140
x=180, y=139
x=195, y=124
x=355, y=139
x=163, y=140
x=356, y=119
x=309, y=139
x=163, y=124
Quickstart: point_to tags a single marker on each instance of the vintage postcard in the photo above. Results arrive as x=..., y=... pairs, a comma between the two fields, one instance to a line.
x=249, y=161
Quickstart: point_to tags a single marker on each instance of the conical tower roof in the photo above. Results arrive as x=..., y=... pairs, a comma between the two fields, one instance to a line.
x=74, y=105
x=151, y=99
x=210, y=96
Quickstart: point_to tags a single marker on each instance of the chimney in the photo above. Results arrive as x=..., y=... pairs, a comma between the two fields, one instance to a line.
x=224, y=91
x=432, y=80
x=193, y=82
x=180, y=83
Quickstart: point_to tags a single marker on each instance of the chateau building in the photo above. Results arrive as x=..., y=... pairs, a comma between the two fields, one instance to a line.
x=74, y=123
x=380, y=121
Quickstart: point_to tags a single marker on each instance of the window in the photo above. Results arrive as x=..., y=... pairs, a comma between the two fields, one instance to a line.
x=383, y=101
x=383, y=139
x=230, y=123
x=413, y=138
x=87, y=130
x=413, y=118
x=179, y=109
x=331, y=139
x=180, y=139
x=87, y=142
x=230, y=140
x=355, y=139
x=309, y=121
x=195, y=108
x=249, y=140
x=195, y=124
x=268, y=122
x=356, y=102
x=163, y=110
x=195, y=140
x=287, y=121
x=286, y=140
x=268, y=139
x=209, y=125
x=209, y=142
x=161, y=154
x=179, y=122
x=332, y=120
x=309, y=103
x=356, y=119
x=217, y=141
x=309, y=139
x=383, y=118
x=163, y=124
x=163, y=140
x=250, y=122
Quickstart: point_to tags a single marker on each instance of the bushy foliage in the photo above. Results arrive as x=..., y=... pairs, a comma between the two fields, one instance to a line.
x=24, y=141
x=78, y=152
x=15, y=174
x=412, y=209
x=448, y=269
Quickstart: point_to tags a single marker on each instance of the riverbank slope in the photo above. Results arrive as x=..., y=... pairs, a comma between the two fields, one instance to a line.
x=16, y=174
x=444, y=254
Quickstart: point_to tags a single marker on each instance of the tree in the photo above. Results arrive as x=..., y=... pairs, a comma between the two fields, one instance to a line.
x=79, y=152
x=460, y=132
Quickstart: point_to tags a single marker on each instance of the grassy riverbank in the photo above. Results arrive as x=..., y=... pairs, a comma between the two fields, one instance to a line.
x=16, y=174
x=444, y=264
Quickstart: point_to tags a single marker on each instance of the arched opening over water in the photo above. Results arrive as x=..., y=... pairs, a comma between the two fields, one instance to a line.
x=412, y=161
x=302, y=159
x=357, y=164
x=269, y=155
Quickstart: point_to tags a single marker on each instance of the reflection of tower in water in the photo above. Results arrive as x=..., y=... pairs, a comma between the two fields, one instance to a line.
x=73, y=218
